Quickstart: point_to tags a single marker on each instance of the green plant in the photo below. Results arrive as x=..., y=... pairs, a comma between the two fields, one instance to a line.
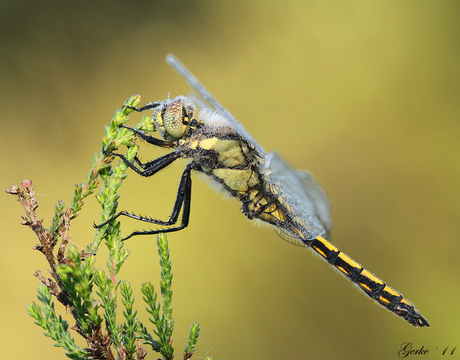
x=75, y=281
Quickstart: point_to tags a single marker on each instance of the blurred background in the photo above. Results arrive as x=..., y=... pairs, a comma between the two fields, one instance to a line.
x=363, y=94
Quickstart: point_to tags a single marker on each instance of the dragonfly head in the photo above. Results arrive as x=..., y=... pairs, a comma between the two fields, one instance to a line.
x=173, y=118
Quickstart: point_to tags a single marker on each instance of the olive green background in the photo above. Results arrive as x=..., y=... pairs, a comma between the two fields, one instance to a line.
x=365, y=94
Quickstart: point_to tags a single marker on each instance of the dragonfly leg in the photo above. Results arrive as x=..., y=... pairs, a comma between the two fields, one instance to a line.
x=183, y=199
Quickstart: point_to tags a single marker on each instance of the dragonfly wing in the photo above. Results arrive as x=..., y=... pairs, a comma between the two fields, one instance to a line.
x=318, y=197
x=301, y=195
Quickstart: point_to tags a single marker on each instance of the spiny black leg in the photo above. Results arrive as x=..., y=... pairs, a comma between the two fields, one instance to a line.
x=152, y=167
x=183, y=197
x=184, y=187
x=149, y=169
x=150, y=139
x=139, y=163
x=124, y=213
x=136, y=161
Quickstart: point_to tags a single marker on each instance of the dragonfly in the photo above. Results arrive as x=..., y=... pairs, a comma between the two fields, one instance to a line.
x=268, y=187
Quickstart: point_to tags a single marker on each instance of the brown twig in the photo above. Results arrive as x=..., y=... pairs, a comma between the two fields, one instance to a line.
x=46, y=239
x=99, y=343
x=30, y=204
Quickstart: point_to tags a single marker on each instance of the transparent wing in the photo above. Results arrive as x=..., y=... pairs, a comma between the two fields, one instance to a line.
x=318, y=197
x=199, y=102
x=207, y=97
x=301, y=194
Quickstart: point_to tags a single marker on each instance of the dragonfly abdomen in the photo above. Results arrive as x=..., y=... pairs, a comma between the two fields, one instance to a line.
x=374, y=287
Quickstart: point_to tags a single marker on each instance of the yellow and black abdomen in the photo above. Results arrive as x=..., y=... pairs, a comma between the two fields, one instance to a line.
x=367, y=282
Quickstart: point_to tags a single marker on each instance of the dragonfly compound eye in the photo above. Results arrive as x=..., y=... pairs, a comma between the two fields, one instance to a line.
x=176, y=117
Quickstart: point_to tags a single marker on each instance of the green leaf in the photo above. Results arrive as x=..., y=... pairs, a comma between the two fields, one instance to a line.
x=55, y=327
